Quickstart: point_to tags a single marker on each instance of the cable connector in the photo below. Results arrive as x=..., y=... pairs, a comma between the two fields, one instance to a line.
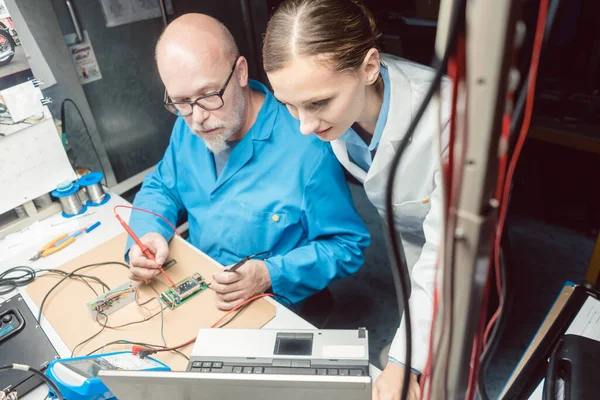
x=142, y=352
x=145, y=353
x=21, y=367
x=8, y=396
x=135, y=350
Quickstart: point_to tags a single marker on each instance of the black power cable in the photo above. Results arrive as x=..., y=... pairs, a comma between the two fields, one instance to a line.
x=9, y=283
x=282, y=297
x=68, y=275
x=238, y=312
x=91, y=337
x=63, y=273
x=398, y=260
x=77, y=277
x=27, y=368
x=87, y=130
x=26, y=275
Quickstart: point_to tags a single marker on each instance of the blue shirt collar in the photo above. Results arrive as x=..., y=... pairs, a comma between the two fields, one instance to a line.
x=385, y=108
x=263, y=126
x=351, y=137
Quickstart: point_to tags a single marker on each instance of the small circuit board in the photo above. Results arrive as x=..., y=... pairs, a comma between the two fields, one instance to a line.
x=183, y=291
x=113, y=300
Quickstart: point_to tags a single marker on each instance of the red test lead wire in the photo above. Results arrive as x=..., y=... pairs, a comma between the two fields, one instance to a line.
x=137, y=240
x=136, y=349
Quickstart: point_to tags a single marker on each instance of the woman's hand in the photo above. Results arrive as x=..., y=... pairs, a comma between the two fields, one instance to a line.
x=389, y=384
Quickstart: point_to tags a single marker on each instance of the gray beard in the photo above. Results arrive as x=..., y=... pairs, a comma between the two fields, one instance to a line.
x=216, y=143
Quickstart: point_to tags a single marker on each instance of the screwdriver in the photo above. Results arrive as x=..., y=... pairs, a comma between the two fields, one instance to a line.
x=234, y=267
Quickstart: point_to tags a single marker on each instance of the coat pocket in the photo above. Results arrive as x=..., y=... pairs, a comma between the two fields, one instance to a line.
x=409, y=216
x=256, y=231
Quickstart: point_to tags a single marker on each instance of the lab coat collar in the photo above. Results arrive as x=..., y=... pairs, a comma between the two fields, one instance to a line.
x=261, y=130
x=398, y=120
x=385, y=108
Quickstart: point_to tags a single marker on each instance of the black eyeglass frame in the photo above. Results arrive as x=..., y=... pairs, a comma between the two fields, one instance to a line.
x=219, y=93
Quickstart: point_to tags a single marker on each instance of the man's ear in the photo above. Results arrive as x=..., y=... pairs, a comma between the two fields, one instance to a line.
x=371, y=66
x=241, y=71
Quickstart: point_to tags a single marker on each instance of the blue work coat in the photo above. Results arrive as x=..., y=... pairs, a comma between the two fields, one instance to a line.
x=278, y=192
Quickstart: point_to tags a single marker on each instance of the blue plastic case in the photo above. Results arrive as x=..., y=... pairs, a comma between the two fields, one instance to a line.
x=92, y=388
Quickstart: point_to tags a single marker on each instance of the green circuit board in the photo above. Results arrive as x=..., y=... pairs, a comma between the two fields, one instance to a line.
x=183, y=291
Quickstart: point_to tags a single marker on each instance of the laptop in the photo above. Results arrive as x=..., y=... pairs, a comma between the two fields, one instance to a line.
x=281, y=352
x=146, y=385
x=259, y=364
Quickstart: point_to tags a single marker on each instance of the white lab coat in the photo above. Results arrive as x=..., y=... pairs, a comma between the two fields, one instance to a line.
x=417, y=193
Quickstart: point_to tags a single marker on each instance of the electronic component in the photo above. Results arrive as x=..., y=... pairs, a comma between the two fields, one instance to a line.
x=188, y=287
x=113, y=300
x=183, y=290
x=169, y=264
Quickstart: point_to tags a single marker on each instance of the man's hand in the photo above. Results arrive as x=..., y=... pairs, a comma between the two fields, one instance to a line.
x=142, y=268
x=389, y=384
x=234, y=287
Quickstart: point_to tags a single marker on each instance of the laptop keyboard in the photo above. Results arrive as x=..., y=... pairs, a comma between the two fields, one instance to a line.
x=297, y=367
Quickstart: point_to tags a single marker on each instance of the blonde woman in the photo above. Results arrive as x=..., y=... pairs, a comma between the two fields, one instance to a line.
x=323, y=64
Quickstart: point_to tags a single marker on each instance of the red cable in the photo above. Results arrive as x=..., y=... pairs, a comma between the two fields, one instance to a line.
x=137, y=240
x=503, y=190
x=480, y=341
x=477, y=340
x=484, y=330
x=251, y=299
x=490, y=325
x=456, y=72
x=502, y=161
x=149, y=212
x=453, y=71
x=533, y=70
x=505, y=142
x=136, y=349
x=535, y=59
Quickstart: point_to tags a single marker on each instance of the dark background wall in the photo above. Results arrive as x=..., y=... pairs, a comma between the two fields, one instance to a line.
x=127, y=101
x=44, y=26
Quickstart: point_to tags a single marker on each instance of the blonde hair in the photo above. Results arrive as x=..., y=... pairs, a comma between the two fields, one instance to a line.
x=341, y=32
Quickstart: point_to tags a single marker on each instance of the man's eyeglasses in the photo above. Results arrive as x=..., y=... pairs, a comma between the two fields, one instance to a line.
x=209, y=102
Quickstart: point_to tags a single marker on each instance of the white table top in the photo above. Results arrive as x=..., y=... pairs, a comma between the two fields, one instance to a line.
x=33, y=239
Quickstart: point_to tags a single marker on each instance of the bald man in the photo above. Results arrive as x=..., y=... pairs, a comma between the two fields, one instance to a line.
x=248, y=182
